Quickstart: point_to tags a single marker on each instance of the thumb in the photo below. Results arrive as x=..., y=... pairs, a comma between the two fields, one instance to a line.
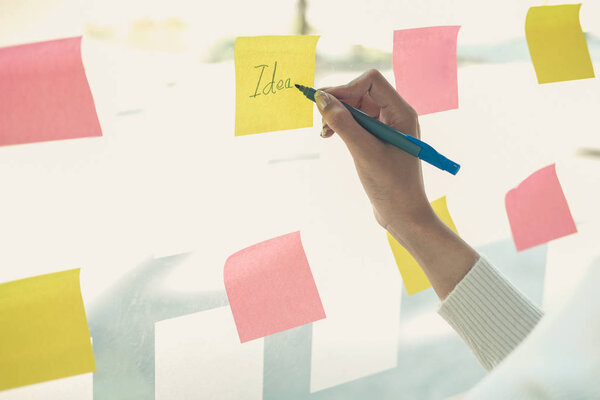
x=337, y=116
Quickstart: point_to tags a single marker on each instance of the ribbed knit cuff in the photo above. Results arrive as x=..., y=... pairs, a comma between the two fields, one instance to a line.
x=489, y=313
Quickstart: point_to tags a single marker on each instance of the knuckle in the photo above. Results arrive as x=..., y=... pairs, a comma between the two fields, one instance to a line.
x=412, y=114
x=374, y=74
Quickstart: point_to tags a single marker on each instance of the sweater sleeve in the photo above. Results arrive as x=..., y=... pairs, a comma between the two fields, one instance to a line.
x=489, y=313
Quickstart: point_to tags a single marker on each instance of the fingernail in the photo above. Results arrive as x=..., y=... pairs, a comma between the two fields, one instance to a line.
x=326, y=132
x=322, y=99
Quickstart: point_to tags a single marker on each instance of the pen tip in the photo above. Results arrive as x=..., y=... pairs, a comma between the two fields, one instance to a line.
x=298, y=86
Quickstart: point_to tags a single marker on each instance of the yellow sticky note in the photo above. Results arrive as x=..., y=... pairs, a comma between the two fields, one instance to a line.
x=413, y=276
x=557, y=44
x=43, y=330
x=266, y=69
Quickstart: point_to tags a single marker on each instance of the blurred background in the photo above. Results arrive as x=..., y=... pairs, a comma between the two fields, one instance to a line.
x=151, y=210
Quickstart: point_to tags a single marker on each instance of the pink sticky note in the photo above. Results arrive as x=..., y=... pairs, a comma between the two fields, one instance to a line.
x=44, y=94
x=425, y=67
x=271, y=288
x=538, y=211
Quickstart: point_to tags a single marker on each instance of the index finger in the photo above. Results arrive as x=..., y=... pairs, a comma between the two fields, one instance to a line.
x=372, y=85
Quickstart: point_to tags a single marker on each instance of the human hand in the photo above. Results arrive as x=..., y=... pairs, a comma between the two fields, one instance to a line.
x=391, y=178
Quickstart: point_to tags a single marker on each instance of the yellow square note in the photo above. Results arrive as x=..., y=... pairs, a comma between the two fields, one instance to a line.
x=413, y=276
x=557, y=44
x=43, y=330
x=266, y=69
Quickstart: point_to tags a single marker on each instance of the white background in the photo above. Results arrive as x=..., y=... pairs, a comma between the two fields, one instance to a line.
x=168, y=176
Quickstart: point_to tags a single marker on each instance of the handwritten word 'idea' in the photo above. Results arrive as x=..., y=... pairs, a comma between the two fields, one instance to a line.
x=270, y=86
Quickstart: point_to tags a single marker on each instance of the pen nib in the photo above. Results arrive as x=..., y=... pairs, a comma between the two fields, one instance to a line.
x=307, y=91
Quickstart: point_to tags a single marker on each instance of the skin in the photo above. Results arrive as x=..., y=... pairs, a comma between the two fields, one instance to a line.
x=392, y=179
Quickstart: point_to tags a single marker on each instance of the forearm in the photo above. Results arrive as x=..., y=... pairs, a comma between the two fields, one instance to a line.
x=444, y=256
x=484, y=308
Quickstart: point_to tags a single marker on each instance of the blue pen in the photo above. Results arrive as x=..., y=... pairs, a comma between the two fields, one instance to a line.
x=408, y=143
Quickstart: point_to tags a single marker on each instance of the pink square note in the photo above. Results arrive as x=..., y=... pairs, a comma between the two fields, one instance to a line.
x=538, y=211
x=425, y=67
x=271, y=288
x=44, y=93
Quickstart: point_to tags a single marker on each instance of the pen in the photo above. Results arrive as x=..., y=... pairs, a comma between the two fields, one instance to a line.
x=408, y=143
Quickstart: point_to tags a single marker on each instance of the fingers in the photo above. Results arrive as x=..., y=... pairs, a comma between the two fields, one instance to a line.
x=338, y=119
x=370, y=91
x=326, y=131
x=371, y=82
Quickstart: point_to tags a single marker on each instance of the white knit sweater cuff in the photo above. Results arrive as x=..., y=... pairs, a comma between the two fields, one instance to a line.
x=489, y=313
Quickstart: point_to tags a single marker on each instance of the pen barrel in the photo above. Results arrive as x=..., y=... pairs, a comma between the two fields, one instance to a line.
x=384, y=132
